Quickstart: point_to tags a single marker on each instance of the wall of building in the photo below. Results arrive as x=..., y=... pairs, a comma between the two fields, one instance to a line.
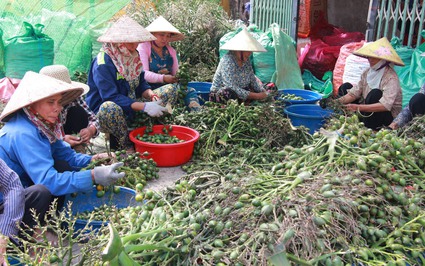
x=351, y=15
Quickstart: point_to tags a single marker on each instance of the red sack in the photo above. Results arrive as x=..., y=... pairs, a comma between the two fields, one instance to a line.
x=343, y=38
x=338, y=72
x=320, y=57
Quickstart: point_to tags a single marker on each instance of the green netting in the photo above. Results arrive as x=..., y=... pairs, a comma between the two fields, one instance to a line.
x=74, y=25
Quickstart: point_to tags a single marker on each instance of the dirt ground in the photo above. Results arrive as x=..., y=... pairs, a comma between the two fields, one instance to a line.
x=167, y=175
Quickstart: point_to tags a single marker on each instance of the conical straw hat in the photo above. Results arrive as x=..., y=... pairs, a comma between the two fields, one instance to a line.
x=243, y=41
x=35, y=87
x=380, y=49
x=126, y=30
x=160, y=24
x=61, y=72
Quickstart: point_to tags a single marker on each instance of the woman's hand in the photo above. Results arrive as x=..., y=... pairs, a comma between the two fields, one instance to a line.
x=103, y=155
x=353, y=107
x=393, y=126
x=170, y=79
x=87, y=133
x=72, y=140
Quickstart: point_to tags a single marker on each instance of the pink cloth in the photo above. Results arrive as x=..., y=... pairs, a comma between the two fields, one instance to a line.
x=145, y=49
x=7, y=88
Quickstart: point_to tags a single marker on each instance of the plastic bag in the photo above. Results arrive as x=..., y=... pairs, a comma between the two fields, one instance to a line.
x=323, y=86
x=288, y=72
x=412, y=76
x=265, y=63
x=31, y=51
x=320, y=57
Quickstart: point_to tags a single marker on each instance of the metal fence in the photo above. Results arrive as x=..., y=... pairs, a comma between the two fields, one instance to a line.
x=396, y=18
x=283, y=12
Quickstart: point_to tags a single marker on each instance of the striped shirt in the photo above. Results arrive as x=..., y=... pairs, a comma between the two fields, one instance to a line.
x=13, y=201
x=93, y=121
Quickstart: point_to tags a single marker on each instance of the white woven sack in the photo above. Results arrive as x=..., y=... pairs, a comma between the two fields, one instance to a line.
x=354, y=68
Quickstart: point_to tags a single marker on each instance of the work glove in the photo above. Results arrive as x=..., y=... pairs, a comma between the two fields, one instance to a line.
x=107, y=175
x=154, y=108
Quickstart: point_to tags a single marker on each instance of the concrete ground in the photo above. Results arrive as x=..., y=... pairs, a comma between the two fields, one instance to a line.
x=167, y=175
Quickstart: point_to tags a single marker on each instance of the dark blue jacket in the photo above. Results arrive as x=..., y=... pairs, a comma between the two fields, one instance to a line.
x=107, y=84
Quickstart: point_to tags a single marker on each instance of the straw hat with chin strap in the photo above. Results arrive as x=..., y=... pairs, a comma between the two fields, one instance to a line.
x=35, y=87
x=126, y=30
x=243, y=41
x=61, y=72
x=160, y=24
x=380, y=49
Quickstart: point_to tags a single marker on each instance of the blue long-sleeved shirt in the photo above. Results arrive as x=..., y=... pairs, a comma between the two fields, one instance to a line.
x=14, y=201
x=107, y=84
x=29, y=153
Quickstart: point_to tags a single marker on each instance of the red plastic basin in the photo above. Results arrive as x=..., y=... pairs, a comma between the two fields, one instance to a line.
x=167, y=155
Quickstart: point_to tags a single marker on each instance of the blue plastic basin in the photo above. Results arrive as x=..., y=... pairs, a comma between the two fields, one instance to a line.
x=89, y=201
x=312, y=116
x=203, y=90
x=308, y=96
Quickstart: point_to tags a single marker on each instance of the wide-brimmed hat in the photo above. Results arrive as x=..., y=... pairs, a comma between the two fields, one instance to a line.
x=61, y=72
x=35, y=87
x=160, y=24
x=126, y=30
x=380, y=49
x=243, y=41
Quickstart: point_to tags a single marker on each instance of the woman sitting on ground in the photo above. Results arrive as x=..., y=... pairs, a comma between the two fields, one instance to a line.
x=377, y=96
x=80, y=124
x=32, y=140
x=161, y=65
x=235, y=77
x=118, y=88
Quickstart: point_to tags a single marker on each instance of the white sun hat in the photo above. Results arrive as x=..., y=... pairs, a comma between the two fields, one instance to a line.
x=35, y=87
x=243, y=41
x=61, y=72
x=126, y=30
x=160, y=24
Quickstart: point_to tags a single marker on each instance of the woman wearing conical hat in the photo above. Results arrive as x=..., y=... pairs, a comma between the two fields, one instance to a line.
x=235, y=77
x=160, y=63
x=118, y=88
x=80, y=124
x=32, y=139
x=378, y=96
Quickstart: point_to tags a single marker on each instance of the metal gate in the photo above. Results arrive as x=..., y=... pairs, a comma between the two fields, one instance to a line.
x=283, y=12
x=396, y=18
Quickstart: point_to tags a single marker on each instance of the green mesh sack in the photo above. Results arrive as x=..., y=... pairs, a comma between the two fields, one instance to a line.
x=31, y=51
